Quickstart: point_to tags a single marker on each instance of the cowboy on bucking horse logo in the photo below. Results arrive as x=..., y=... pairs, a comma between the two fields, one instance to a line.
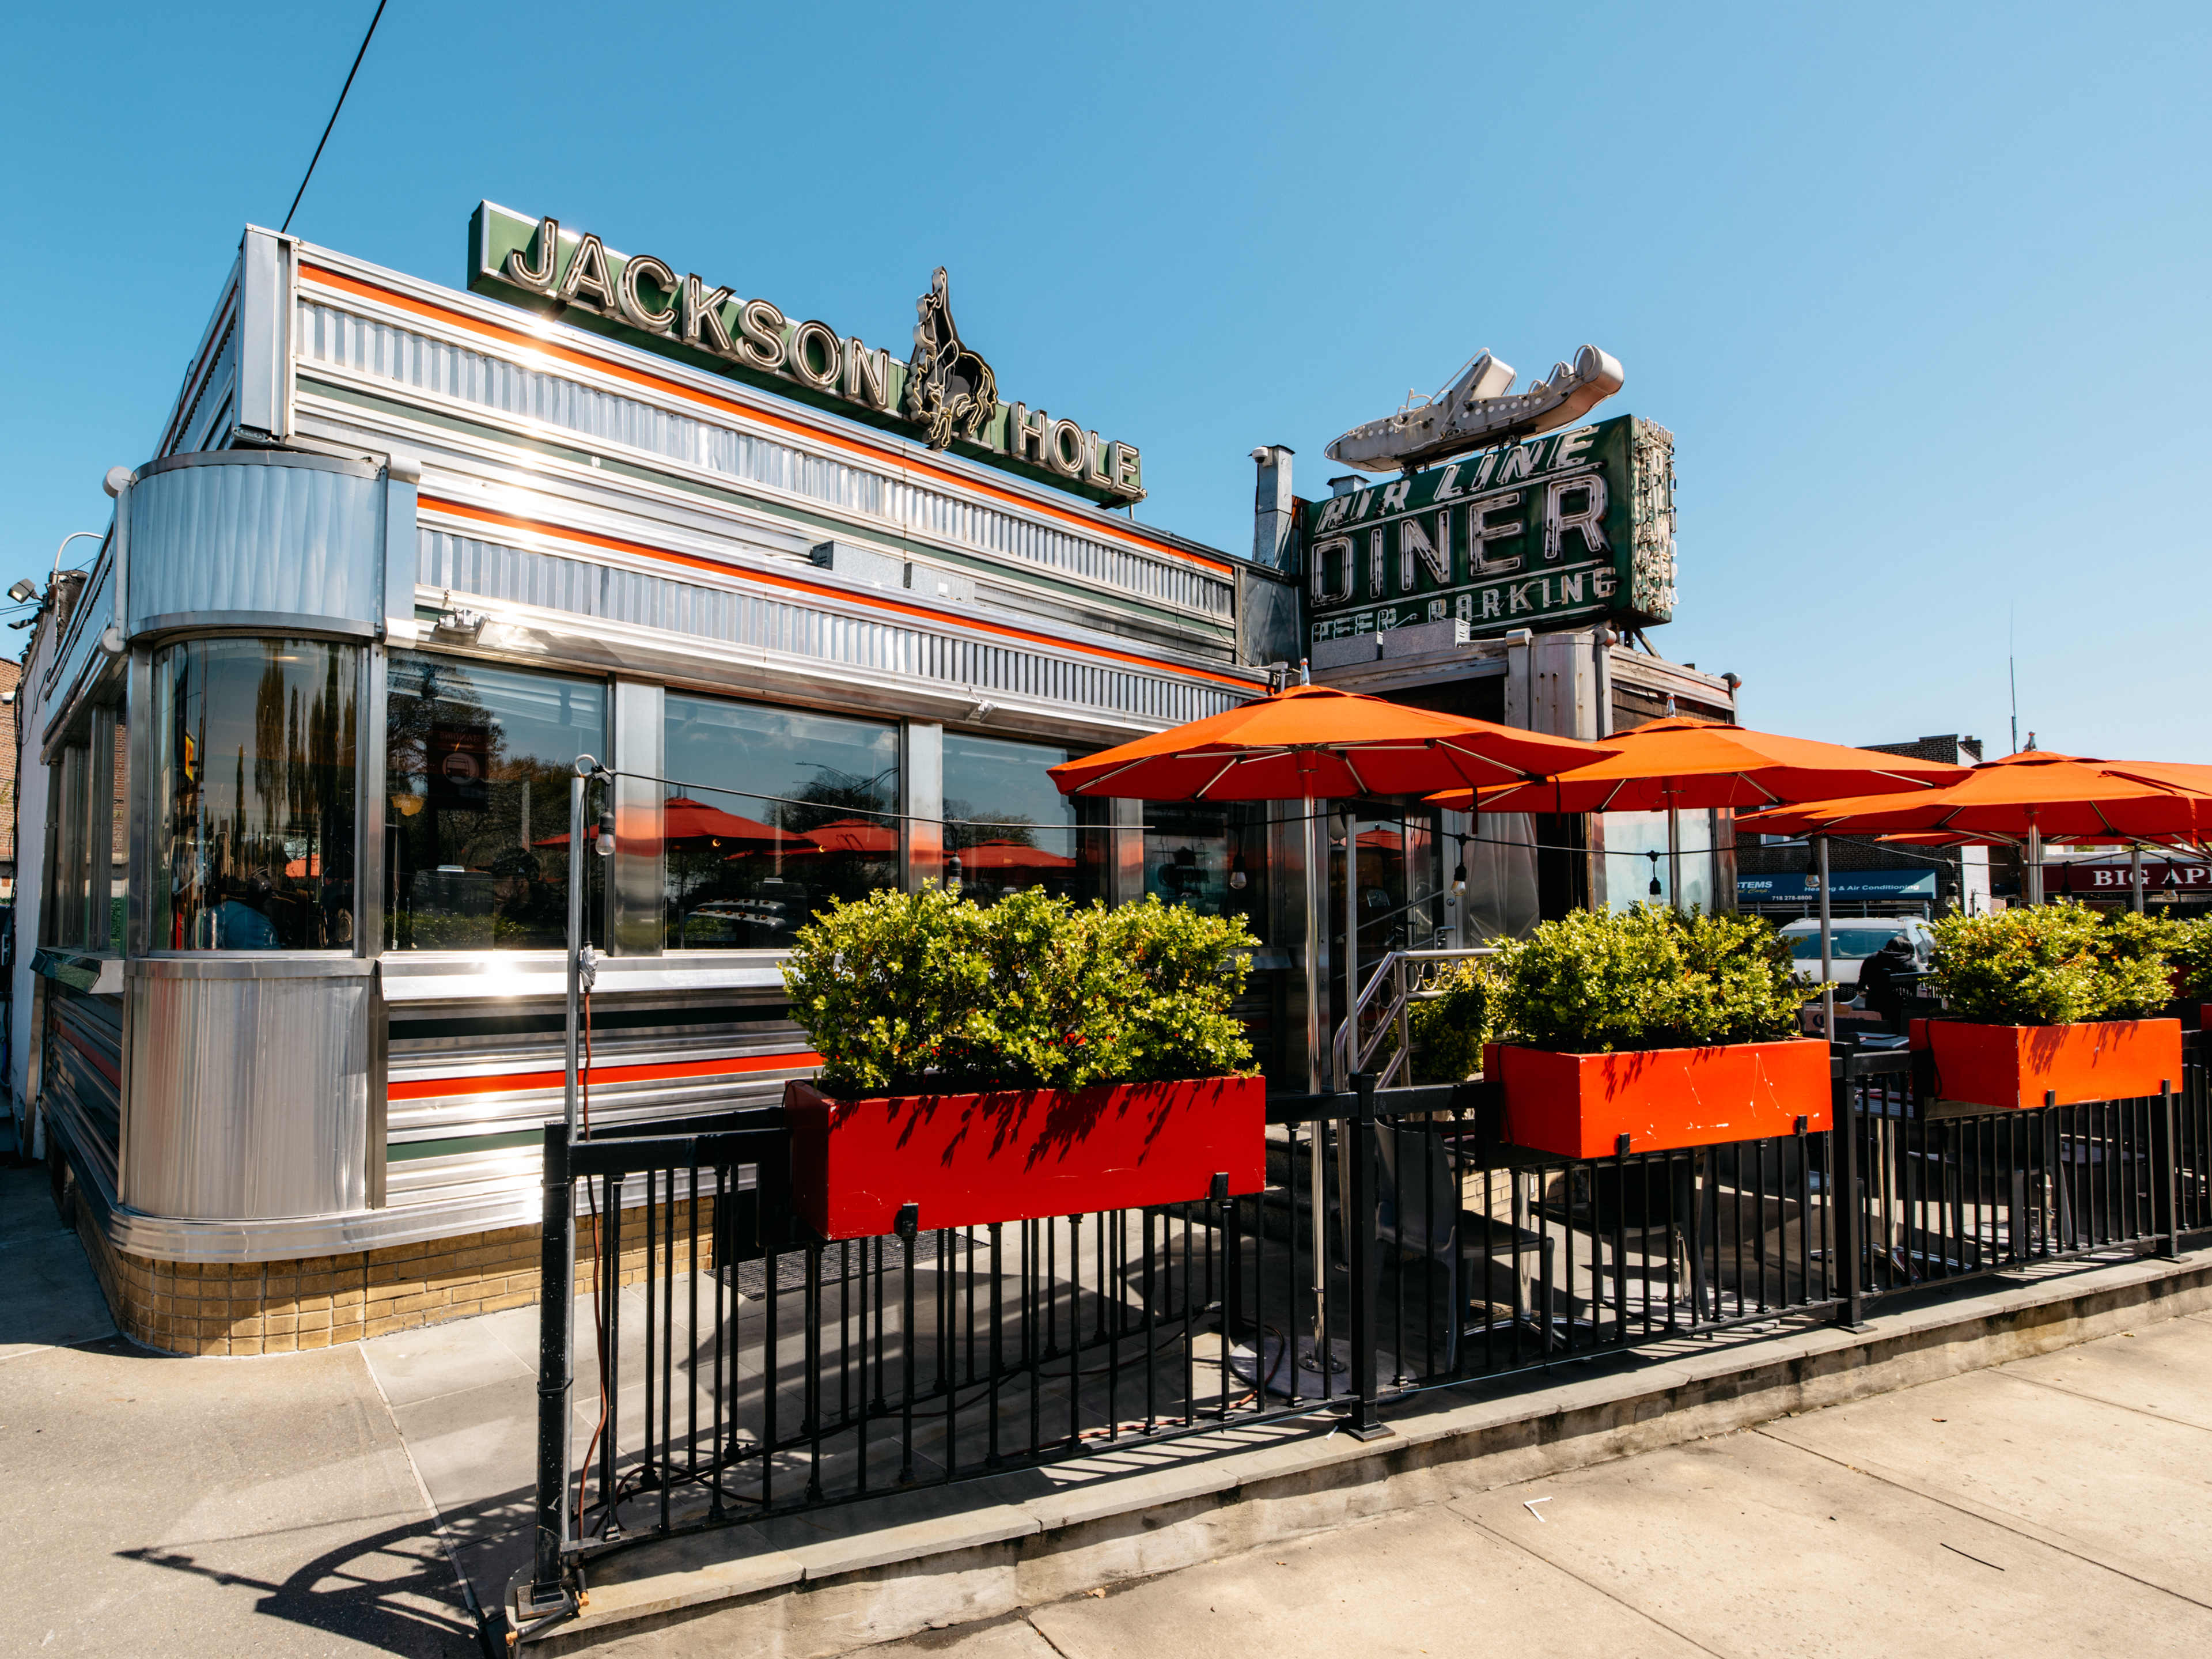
x=950, y=390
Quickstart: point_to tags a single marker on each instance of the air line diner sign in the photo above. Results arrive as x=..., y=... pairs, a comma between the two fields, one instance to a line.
x=1561, y=531
x=945, y=393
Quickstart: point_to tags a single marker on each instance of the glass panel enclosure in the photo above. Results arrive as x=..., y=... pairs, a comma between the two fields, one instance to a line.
x=1635, y=857
x=1007, y=826
x=1213, y=859
x=254, y=795
x=769, y=814
x=477, y=764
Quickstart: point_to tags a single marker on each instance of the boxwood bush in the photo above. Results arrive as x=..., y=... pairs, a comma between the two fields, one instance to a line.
x=1595, y=982
x=2052, y=964
x=928, y=992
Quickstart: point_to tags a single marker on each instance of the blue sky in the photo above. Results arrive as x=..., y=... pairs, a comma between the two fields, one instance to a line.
x=1920, y=291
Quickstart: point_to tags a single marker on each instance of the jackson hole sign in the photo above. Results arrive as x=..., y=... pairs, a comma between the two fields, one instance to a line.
x=945, y=393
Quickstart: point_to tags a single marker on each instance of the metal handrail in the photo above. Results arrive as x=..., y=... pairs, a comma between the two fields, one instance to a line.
x=1392, y=968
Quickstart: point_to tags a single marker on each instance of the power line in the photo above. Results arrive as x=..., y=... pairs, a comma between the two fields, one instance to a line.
x=333, y=121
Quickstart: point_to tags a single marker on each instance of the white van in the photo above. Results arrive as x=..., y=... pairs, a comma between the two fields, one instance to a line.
x=1851, y=941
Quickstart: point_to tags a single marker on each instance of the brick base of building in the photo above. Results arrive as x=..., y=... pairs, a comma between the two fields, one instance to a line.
x=319, y=1301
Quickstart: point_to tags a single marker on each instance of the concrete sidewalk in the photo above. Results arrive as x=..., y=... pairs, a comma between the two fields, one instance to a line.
x=2058, y=1505
x=169, y=1506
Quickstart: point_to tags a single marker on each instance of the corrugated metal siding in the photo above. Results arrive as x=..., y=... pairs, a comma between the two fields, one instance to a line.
x=294, y=540
x=406, y=358
x=84, y=1065
x=492, y=570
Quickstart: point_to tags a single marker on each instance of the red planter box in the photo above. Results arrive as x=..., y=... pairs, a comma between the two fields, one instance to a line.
x=2015, y=1065
x=1015, y=1155
x=1580, y=1105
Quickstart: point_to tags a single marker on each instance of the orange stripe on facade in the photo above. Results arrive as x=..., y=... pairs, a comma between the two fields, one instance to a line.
x=781, y=422
x=511, y=1082
x=816, y=590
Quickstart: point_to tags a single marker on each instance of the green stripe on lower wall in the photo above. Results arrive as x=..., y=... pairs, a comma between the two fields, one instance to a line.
x=405, y=1151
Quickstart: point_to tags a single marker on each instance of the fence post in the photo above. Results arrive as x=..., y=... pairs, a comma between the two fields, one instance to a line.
x=548, y=1590
x=1843, y=1193
x=2165, y=1173
x=1361, y=1423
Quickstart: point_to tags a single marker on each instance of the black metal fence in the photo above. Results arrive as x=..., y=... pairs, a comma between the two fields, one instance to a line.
x=727, y=1368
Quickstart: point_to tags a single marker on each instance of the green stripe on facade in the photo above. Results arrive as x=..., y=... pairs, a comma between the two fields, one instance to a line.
x=404, y=1151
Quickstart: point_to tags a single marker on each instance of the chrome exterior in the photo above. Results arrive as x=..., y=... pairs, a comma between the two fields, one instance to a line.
x=236, y=1107
x=248, y=538
x=250, y=1097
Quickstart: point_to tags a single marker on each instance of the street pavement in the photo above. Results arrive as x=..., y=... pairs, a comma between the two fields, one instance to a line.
x=283, y=1506
x=2058, y=1506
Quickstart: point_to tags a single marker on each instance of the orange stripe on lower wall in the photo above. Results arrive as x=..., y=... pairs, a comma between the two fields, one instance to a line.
x=765, y=417
x=816, y=590
x=512, y=1082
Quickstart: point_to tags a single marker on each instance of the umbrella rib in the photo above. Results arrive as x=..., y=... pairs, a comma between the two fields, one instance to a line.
x=1228, y=766
x=1345, y=755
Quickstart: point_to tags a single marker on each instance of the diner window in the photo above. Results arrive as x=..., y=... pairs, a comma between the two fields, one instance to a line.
x=477, y=764
x=254, y=795
x=770, y=814
x=68, y=882
x=1007, y=826
x=1213, y=859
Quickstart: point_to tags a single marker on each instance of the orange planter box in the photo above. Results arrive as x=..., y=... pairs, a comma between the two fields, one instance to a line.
x=2006, y=1067
x=1019, y=1154
x=1580, y=1105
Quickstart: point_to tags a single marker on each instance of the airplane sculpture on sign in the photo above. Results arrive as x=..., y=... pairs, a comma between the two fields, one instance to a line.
x=1478, y=410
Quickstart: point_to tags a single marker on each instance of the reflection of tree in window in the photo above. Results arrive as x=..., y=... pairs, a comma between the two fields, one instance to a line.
x=476, y=771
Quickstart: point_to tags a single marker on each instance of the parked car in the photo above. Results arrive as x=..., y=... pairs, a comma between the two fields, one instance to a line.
x=1851, y=941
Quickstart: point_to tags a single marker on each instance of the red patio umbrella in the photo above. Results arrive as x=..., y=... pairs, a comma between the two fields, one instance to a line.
x=684, y=819
x=1011, y=855
x=855, y=836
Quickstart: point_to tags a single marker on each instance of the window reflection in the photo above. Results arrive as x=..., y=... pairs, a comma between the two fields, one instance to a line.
x=1007, y=827
x=477, y=766
x=771, y=814
x=254, y=753
x=1213, y=859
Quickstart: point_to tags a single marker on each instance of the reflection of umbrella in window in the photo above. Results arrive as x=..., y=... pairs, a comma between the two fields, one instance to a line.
x=683, y=819
x=856, y=835
x=1012, y=855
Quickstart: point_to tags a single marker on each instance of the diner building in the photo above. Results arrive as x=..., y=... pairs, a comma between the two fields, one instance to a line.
x=295, y=751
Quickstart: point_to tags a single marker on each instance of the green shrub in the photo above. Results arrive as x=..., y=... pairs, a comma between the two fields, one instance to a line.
x=1649, y=977
x=2052, y=964
x=1450, y=1032
x=2190, y=954
x=911, y=993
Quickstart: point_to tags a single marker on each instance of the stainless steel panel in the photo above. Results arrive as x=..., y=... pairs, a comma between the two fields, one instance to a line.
x=264, y=378
x=921, y=781
x=250, y=1096
x=634, y=885
x=386, y=351
x=492, y=570
x=240, y=533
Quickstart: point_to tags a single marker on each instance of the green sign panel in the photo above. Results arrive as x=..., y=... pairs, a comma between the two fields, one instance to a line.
x=942, y=392
x=1563, y=531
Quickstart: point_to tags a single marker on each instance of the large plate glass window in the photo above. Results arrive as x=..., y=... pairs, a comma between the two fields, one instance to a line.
x=770, y=814
x=1007, y=827
x=1213, y=859
x=477, y=764
x=254, y=795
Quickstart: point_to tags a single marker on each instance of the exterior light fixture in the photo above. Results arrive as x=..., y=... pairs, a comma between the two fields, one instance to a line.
x=1238, y=879
x=1654, y=856
x=24, y=590
x=605, y=845
x=471, y=622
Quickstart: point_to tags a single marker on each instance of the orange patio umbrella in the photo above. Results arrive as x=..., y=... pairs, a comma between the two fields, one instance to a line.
x=1682, y=762
x=2026, y=799
x=1311, y=742
x=684, y=819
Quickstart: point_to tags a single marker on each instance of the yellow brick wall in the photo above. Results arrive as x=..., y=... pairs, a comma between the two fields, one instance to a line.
x=283, y=1307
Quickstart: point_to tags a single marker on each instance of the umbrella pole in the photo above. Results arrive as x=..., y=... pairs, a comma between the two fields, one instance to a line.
x=1674, y=856
x=2135, y=878
x=1317, y=1058
x=1827, y=943
x=2034, y=863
